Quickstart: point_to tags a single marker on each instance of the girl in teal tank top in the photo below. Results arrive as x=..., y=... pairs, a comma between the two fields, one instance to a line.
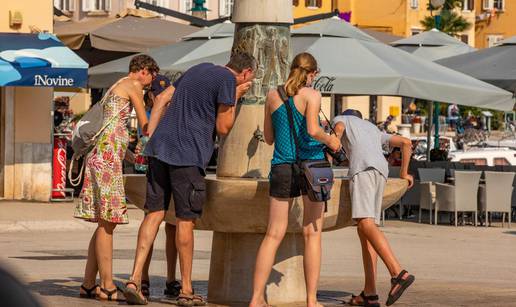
x=284, y=146
x=285, y=181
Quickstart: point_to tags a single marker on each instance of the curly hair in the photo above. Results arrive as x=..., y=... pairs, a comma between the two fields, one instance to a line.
x=143, y=61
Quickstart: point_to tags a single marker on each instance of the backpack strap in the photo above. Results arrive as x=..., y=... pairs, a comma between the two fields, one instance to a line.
x=77, y=180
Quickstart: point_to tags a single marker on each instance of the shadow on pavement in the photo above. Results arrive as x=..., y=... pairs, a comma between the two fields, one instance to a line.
x=331, y=296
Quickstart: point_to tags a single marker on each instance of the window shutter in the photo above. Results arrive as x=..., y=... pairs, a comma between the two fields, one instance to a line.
x=307, y=3
x=295, y=2
x=223, y=8
x=88, y=5
x=319, y=3
x=107, y=5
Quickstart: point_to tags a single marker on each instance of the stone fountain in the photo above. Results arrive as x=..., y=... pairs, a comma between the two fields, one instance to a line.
x=237, y=197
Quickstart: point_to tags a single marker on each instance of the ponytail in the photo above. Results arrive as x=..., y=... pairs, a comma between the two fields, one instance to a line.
x=303, y=64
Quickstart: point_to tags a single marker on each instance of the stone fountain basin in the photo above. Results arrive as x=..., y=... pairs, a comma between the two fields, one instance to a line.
x=237, y=211
x=242, y=205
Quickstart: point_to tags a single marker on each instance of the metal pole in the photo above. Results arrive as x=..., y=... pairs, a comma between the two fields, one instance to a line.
x=429, y=129
x=437, y=113
x=373, y=107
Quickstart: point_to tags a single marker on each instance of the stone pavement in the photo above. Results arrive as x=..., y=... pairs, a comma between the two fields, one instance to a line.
x=463, y=266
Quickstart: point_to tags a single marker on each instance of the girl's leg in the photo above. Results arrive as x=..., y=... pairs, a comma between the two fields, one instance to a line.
x=90, y=272
x=104, y=252
x=278, y=221
x=312, y=227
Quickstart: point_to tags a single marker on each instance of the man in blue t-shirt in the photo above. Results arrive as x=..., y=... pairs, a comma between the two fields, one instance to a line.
x=183, y=125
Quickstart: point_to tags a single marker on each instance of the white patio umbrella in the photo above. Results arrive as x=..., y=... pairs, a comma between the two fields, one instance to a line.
x=432, y=45
x=351, y=62
x=212, y=44
x=354, y=63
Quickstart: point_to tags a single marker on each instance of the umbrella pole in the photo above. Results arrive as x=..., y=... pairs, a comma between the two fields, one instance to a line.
x=437, y=111
x=373, y=107
x=429, y=129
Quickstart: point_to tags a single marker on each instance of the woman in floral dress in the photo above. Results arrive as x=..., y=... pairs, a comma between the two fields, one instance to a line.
x=102, y=198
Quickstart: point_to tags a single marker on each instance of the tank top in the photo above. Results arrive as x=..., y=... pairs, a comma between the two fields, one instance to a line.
x=284, y=145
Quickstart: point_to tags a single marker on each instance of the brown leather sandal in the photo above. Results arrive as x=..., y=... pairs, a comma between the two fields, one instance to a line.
x=401, y=284
x=190, y=300
x=134, y=296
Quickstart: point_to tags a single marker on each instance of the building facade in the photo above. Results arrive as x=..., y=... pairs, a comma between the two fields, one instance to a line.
x=26, y=118
x=400, y=17
x=495, y=21
x=81, y=9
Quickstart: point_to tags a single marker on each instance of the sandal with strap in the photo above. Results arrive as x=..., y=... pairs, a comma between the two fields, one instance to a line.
x=146, y=288
x=353, y=302
x=371, y=301
x=401, y=284
x=89, y=293
x=190, y=300
x=134, y=296
x=109, y=295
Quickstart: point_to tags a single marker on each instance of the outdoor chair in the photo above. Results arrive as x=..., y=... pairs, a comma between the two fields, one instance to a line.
x=461, y=197
x=428, y=176
x=495, y=195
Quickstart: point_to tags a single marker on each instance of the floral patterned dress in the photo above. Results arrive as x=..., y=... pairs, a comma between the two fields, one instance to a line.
x=103, y=195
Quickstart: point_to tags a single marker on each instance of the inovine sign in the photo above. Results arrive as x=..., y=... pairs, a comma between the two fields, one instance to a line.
x=45, y=80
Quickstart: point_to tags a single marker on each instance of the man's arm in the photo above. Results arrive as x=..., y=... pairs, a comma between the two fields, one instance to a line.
x=406, y=153
x=160, y=105
x=226, y=112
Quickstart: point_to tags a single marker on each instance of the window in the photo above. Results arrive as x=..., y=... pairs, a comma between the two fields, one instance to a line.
x=65, y=5
x=295, y=2
x=493, y=4
x=499, y=4
x=161, y=3
x=313, y=4
x=478, y=161
x=226, y=8
x=96, y=5
x=464, y=38
x=468, y=5
x=501, y=161
x=414, y=4
x=185, y=6
x=494, y=40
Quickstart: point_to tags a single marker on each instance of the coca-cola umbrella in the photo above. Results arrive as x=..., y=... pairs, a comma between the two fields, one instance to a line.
x=354, y=63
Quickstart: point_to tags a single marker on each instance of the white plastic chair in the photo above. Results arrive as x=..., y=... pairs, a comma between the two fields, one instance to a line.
x=461, y=197
x=496, y=194
x=428, y=177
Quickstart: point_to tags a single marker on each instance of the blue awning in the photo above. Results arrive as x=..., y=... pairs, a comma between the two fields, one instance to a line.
x=39, y=60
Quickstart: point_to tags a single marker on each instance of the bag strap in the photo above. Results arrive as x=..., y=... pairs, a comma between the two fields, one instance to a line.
x=283, y=95
x=77, y=180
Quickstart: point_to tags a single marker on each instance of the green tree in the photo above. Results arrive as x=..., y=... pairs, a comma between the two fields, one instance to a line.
x=451, y=22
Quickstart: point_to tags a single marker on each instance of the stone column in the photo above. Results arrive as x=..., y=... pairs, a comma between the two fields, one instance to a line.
x=262, y=29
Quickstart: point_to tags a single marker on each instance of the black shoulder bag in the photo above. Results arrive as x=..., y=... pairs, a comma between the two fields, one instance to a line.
x=317, y=173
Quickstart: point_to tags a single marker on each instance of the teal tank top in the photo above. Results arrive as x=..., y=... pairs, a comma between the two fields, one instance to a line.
x=284, y=146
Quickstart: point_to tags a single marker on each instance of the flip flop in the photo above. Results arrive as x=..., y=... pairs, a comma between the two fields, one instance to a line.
x=189, y=300
x=402, y=285
x=134, y=296
x=89, y=293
